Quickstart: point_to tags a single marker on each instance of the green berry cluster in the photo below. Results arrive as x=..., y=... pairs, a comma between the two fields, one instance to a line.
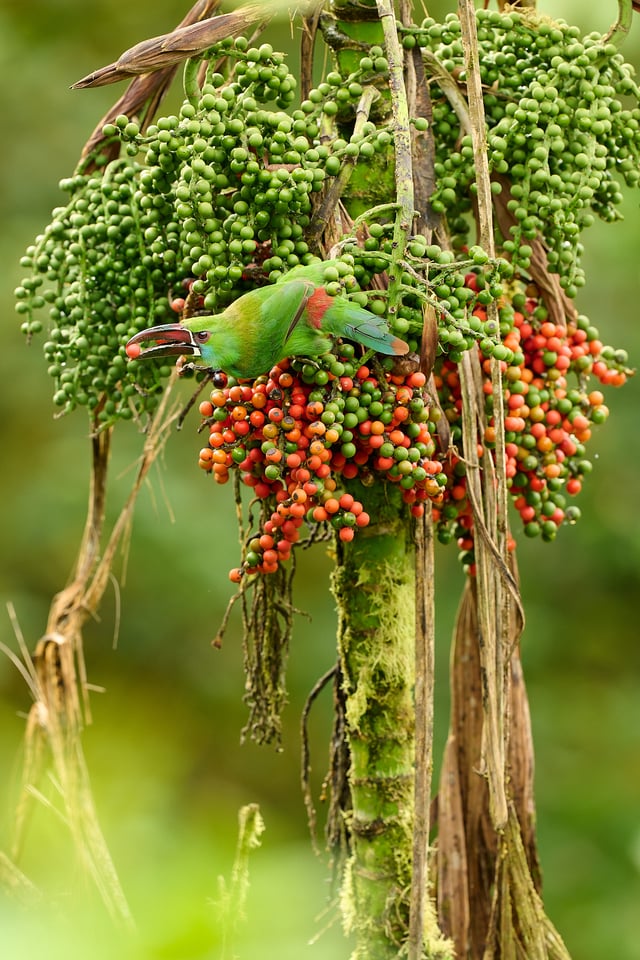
x=436, y=277
x=558, y=131
x=93, y=268
x=238, y=174
x=217, y=198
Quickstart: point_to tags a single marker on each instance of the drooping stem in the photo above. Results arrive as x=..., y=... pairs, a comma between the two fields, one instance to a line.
x=402, y=149
x=621, y=26
x=491, y=599
x=424, y=711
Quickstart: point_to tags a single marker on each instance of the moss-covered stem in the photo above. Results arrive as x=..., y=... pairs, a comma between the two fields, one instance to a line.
x=374, y=585
x=374, y=588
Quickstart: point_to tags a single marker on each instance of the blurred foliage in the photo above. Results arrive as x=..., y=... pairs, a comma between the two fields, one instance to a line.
x=168, y=770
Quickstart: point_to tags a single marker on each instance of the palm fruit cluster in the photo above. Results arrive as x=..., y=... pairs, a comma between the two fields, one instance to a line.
x=205, y=204
x=550, y=409
x=220, y=195
x=299, y=435
x=94, y=270
x=563, y=125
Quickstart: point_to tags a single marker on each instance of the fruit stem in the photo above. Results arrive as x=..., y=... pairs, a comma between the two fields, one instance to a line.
x=620, y=28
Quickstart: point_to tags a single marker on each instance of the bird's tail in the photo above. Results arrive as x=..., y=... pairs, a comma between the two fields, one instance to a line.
x=376, y=336
x=346, y=319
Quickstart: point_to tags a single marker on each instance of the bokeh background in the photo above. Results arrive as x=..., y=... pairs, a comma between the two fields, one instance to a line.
x=164, y=751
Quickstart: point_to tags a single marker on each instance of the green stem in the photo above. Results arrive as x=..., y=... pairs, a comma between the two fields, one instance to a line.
x=374, y=588
x=190, y=80
x=402, y=145
x=618, y=30
x=334, y=194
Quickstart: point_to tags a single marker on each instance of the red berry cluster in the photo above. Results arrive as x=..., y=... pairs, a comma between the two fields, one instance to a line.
x=548, y=419
x=299, y=433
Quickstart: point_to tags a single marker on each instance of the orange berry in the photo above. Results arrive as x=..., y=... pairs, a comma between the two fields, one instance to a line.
x=317, y=429
x=580, y=422
x=218, y=398
x=514, y=424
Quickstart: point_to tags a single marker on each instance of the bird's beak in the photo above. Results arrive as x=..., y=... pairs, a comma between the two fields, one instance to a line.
x=165, y=340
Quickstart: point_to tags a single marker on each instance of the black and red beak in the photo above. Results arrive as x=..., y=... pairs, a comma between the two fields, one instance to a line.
x=165, y=340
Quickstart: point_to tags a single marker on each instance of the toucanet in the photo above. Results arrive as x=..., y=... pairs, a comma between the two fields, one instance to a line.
x=294, y=317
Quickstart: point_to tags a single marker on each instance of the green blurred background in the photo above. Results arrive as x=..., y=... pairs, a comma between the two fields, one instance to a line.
x=164, y=750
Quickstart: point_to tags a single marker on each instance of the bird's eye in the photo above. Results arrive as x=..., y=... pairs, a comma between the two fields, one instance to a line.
x=202, y=336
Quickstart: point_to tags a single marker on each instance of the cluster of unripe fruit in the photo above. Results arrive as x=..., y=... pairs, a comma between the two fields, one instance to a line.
x=563, y=129
x=221, y=194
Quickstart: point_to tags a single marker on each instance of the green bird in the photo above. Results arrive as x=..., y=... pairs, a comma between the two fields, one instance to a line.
x=294, y=317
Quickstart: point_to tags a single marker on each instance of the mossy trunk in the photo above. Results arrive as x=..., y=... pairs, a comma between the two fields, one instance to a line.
x=374, y=588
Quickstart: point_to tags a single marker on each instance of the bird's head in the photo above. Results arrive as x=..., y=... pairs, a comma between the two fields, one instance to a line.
x=171, y=339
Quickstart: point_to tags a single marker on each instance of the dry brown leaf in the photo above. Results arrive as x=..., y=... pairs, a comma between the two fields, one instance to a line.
x=143, y=95
x=170, y=49
x=429, y=341
x=452, y=885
